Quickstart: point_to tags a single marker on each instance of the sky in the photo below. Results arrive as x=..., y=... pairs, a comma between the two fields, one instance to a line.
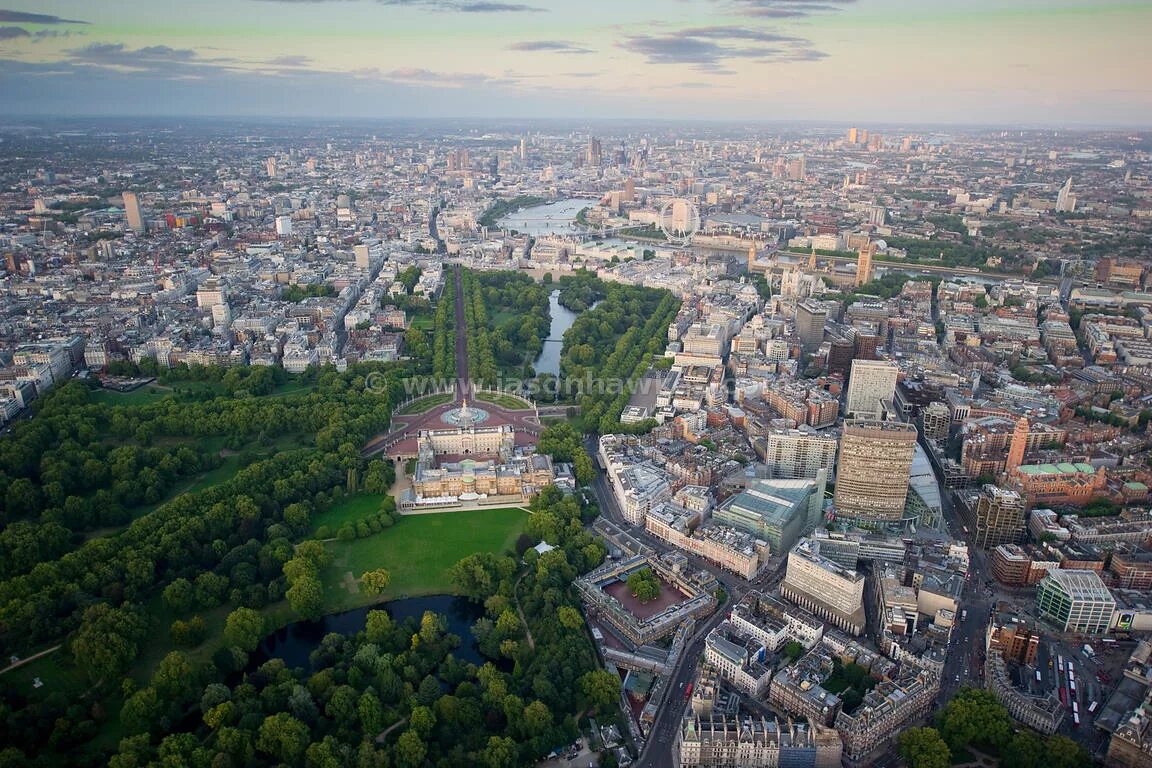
x=1002, y=62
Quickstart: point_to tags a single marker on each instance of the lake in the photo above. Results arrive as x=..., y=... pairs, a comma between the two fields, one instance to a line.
x=556, y=218
x=295, y=642
x=562, y=319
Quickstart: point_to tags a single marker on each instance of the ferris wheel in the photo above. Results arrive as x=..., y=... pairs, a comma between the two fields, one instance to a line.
x=679, y=220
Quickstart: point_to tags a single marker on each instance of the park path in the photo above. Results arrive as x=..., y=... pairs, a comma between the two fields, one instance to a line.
x=520, y=610
x=31, y=658
x=463, y=383
x=380, y=737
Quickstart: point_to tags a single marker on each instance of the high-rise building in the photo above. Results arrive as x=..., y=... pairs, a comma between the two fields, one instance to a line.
x=827, y=589
x=871, y=384
x=1018, y=445
x=777, y=511
x=877, y=215
x=797, y=168
x=864, y=264
x=132, y=212
x=270, y=166
x=810, y=317
x=523, y=149
x=853, y=135
x=629, y=190
x=1065, y=200
x=935, y=421
x=284, y=226
x=874, y=471
x=595, y=153
x=1076, y=601
x=799, y=453
x=997, y=517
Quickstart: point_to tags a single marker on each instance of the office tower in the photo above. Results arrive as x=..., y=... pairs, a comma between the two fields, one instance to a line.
x=997, y=517
x=874, y=470
x=270, y=166
x=810, y=317
x=1065, y=200
x=877, y=215
x=132, y=212
x=798, y=453
x=797, y=169
x=1018, y=445
x=630, y=190
x=361, y=253
x=853, y=135
x=935, y=420
x=906, y=144
x=1075, y=601
x=870, y=385
x=832, y=592
x=523, y=149
x=595, y=153
x=284, y=226
x=776, y=511
x=864, y=264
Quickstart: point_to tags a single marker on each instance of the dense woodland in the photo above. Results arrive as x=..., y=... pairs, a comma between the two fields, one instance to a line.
x=609, y=348
x=107, y=554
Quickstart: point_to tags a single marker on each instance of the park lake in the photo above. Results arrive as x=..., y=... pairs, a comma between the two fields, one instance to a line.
x=295, y=642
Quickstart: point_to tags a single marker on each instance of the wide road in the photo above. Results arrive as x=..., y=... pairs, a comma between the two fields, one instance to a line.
x=463, y=383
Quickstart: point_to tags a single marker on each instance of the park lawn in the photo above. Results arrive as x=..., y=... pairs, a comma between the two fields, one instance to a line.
x=504, y=401
x=149, y=393
x=418, y=552
x=350, y=510
x=426, y=404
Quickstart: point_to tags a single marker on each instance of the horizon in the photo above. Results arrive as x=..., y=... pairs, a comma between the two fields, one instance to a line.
x=1058, y=63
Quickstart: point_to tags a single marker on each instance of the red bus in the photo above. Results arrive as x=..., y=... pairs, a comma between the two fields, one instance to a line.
x=688, y=692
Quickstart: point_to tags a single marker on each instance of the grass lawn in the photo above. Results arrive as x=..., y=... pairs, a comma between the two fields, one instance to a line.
x=149, y=393
x=426, y=403
x=349, y=510
x=504, y=401
x=418, y=551
x=423, y=322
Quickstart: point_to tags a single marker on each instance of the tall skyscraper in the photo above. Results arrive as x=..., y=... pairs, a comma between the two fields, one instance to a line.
x=270, y=166
x=523, y=149
x=1018, y=445
x=864, y=264
x=871, y=383
x=810, y=317
x=797, y=168
x=997, y=518
x=875, y=467
x=132, y=212
x=595, y=152
x=1065, y=200
x=853, y=135
x=797, y=454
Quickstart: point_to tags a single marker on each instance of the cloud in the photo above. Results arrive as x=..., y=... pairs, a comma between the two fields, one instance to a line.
x=460, y=6
x=555, y=46
x=12, y=33
x=19, y=17
x=787, y=9
x=443, y=79
x=119, y=55
x=294, y=60
x=709, y=49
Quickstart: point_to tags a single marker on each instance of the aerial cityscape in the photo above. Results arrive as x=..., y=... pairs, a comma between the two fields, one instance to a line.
x=436, y=424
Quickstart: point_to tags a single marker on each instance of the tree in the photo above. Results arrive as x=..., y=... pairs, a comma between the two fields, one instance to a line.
x=174, y=677
x=244, y=629
x=569, y=617
x=974, y=716
x=923, y=748
x=141, y=710
x=1062, y=752
x=793, y=650
x=306, y=597
x=375, y=582
x=1025, y=750
x=379, y=626
x=600, y=687
x=283, y=736
x=422, y=721
x=410, y=750
x=371, y=713
x=644, y=585
x=106, y=641
x=500, y=752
